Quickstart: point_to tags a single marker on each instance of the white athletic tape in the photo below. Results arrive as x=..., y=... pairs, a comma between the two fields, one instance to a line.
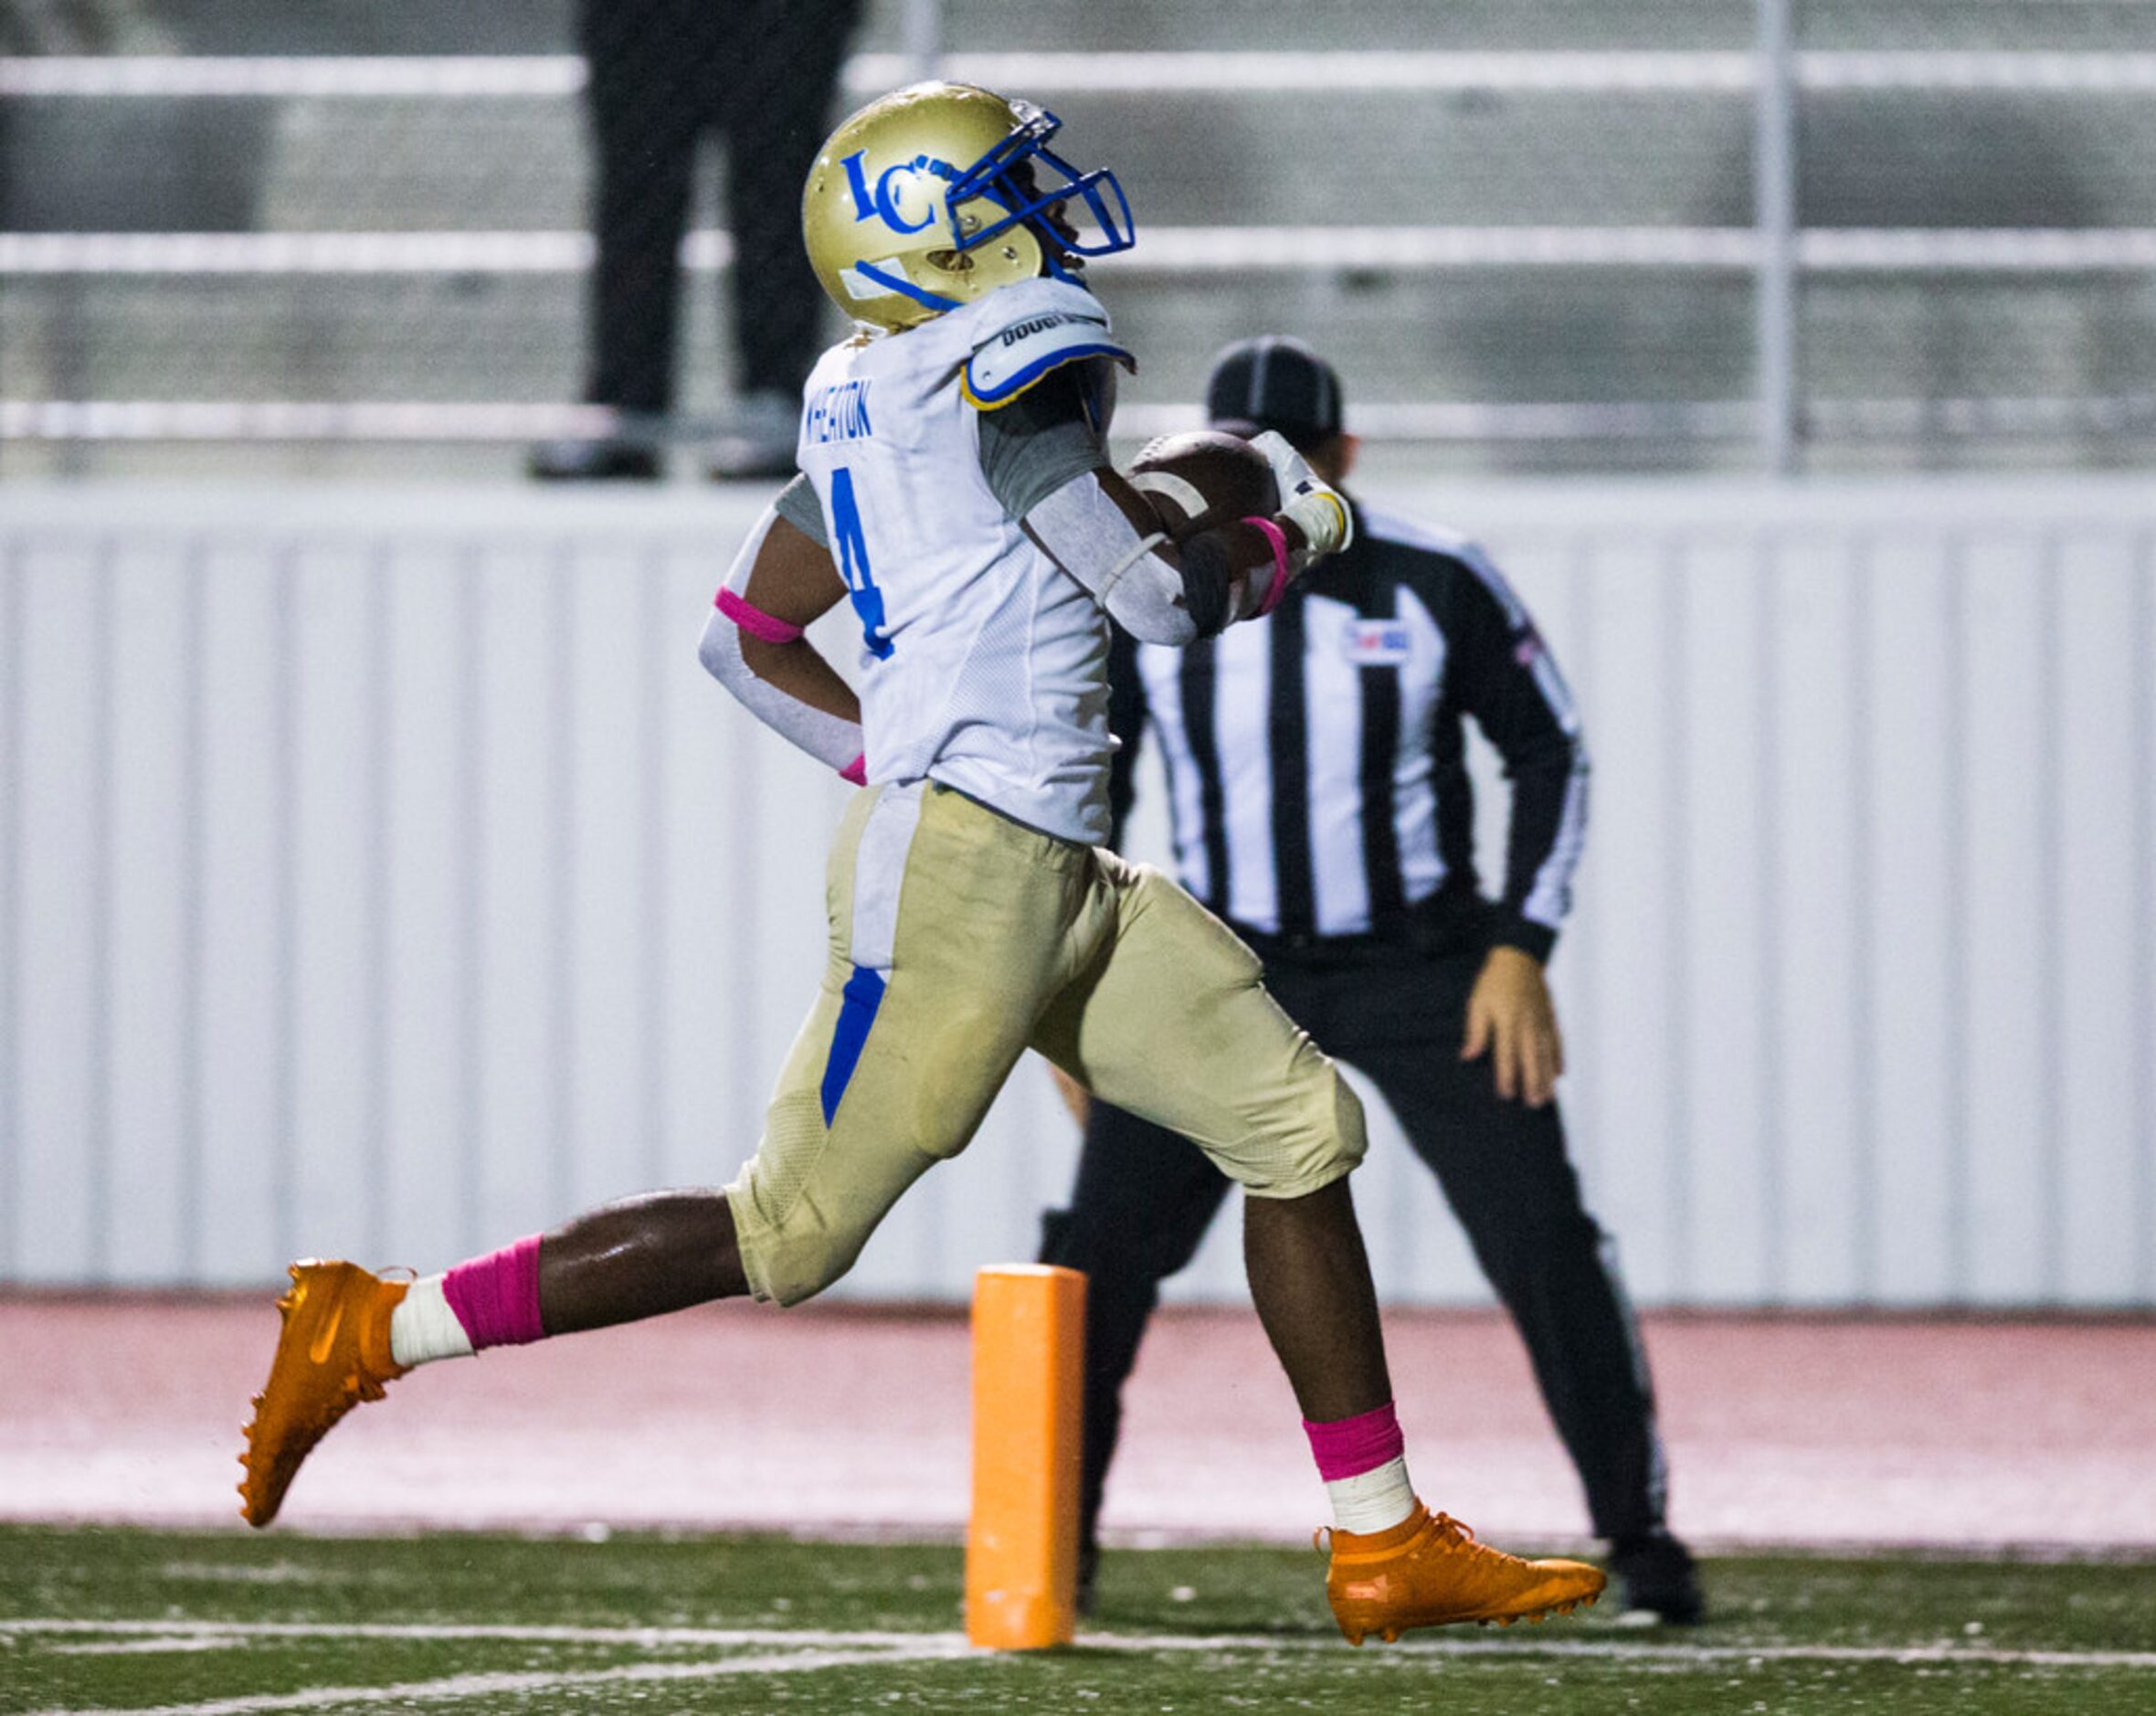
x=1114, y=575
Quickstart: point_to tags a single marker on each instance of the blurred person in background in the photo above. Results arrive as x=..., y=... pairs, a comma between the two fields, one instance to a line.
x=662, y=76
x=1321, y=803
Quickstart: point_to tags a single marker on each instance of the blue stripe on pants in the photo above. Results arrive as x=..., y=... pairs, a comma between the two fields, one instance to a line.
x=864, y=994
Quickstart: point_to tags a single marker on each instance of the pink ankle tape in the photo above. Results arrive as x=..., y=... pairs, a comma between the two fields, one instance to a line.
x=754, y=620
x=496, y=1296
x=1347, y=1447
x=1278, y=538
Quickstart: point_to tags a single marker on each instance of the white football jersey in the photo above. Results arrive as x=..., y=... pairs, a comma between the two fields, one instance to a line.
x=984, y=665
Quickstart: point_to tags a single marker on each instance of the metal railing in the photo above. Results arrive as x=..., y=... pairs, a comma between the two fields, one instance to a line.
x=1773, y=250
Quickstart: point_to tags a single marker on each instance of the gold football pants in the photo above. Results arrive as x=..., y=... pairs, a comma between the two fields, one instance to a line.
x=960, y=938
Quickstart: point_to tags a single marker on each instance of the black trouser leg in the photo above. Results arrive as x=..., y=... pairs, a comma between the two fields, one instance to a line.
x=1552, y=1274
x=646, y=102
x=788, y=80
x=1141, y=1203
x=1505, y=1172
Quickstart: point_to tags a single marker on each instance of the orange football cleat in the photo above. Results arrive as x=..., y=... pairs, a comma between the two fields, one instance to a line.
x=333, y=1353
x=1428, y=1571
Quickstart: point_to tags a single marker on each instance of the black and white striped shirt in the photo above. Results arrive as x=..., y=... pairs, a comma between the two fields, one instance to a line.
x=1315, y=758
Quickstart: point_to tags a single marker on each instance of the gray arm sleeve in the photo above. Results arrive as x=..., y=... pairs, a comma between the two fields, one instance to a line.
x=1087, y=531
x=1040, y=454
x=1039, y=441
x=800, y=507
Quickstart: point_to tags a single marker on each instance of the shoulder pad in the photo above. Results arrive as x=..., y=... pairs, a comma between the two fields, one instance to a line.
x=1040, y=338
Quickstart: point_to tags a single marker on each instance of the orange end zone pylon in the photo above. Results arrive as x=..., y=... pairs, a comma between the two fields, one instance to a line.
x=1029, y=1369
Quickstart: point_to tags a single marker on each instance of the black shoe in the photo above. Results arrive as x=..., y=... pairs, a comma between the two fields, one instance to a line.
x=742, y=461
x=1089, y=1573
x=594, y=462
x=1658, y=1576
x=759, y=442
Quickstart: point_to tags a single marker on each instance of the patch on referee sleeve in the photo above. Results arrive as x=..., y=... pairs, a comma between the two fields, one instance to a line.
x=1376, y=642
x=863, y=995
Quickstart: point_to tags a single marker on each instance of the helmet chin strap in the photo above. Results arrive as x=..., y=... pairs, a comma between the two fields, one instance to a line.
x=1057, y=263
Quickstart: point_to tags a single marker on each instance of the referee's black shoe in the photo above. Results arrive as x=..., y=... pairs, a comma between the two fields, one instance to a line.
x=1657, y=1575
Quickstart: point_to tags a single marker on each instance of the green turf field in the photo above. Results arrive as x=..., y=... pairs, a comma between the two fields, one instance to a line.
x=203, y=1622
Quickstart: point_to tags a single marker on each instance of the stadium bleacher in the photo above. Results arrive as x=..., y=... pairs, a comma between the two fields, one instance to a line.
x=422, y=244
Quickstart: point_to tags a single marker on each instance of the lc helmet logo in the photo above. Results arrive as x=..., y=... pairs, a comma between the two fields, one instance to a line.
x=936, y=195
x=899, y=191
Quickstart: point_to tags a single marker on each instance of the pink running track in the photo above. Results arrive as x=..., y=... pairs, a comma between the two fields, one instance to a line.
x=846, y=1421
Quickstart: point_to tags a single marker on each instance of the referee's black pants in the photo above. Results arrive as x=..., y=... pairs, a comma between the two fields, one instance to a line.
x=1145, y=1197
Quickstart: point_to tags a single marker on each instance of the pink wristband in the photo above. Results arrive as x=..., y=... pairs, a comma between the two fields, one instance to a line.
x=857, y=771
x=755, y=619
x=1278, y=538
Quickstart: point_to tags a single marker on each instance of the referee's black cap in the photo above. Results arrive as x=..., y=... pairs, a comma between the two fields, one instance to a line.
x=1274, y=383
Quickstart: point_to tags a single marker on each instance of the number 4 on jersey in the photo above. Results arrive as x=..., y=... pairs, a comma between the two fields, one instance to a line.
x=853, y=563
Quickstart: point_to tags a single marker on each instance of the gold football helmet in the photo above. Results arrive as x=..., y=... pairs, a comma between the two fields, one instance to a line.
x=935, y=196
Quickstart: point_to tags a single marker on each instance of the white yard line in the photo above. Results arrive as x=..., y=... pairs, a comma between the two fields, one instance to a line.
x=1473, y=1645
x=149, y=1647
x=278, y=1572
x=823, y=1646
x=647, y=1637
x=919, y=1648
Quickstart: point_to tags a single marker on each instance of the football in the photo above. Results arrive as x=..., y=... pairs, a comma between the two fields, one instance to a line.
x=1203, y=480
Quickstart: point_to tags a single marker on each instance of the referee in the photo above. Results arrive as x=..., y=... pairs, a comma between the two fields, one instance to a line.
x=1322, y=806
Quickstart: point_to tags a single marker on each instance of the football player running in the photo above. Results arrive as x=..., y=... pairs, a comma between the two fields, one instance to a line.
x=956, y=488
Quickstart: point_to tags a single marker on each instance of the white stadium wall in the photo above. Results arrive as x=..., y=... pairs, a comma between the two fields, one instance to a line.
x=380, y=875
